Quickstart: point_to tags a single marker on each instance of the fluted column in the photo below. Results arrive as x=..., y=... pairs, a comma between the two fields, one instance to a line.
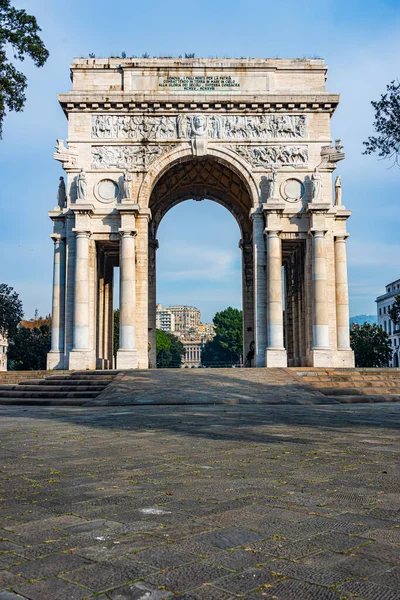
x=127, y=354
x=320, y=300
x=55, y=358
x=342, y=294
x=260, y=316
x=275, y=355
x=79, y=357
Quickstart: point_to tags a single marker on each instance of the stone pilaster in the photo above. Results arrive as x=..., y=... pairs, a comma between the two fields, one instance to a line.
x=55, y=358
x=127, y=355
x=260, y=308
x=153, y=246
x=346, y=355
x=80, y=355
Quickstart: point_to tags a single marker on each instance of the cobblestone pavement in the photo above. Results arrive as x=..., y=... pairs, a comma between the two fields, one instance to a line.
x=200, y=502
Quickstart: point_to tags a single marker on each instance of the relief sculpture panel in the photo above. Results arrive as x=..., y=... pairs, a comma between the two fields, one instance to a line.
x=279, y=156
x=126, y=157
x=185, y=126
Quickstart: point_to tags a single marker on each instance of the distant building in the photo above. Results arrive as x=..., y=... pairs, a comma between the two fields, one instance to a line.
x=185, y=323
x=186, y=317
x=165, y=319
x=384, y=304
x=3, y=353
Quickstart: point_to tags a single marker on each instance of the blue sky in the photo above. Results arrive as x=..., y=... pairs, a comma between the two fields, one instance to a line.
x=360, y=41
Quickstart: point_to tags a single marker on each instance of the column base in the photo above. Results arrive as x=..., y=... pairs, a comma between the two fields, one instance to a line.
x=275, y=357
x=80, y=360
x=127, y=359
x=320, y=357
x=55, y=360
x=344, y=358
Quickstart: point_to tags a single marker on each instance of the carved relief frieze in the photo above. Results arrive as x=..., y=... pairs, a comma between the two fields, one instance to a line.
x=267, y=156
x=130, y=158
x=186, y=126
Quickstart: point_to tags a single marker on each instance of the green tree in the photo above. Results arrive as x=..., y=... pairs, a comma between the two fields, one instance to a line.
x=19, y=32
x=371, y=345
x=28, y=348
x=394, y=311
x=386, y=125
x=169, y=349
x=11, y=311
x=227, y=345
x=116, y=331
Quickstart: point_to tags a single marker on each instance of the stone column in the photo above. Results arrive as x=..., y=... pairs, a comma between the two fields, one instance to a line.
x=260, y=326
x=275, y=354
x=142, y=287
x=342, y=302
x=55, y=358
x=79, y=356
x=320, y=301
x=153, y=246
x=127, y=355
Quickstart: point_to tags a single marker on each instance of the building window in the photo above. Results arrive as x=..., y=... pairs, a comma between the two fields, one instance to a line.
x=384, y=311
x=390, y=327
x=384, y=326
x=380, y=311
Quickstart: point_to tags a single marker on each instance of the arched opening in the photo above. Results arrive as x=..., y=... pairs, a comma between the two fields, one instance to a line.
x=203, y=179
x=395, y=359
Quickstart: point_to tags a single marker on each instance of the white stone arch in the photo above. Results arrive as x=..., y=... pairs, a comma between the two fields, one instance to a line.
x=183, y=153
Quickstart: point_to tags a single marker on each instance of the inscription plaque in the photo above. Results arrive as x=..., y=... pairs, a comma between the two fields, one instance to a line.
x=199, y=83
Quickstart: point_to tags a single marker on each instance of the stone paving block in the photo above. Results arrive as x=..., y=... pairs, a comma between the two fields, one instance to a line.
x=384, y=535
x=369, y=591
x=338, y=542
x=187, y=577
x=239, y=560
x=105, y=576
x=49, y=566
x=285, y=548
x=247, y=581
x=377, y=550
x=8, y=580
x=290, y=589
x=118, y=547
x=52, y=588
x=195, y=547
x=138, y=591
x=358, y=567
x=206, y=592
x=306, y=573
x=9, y=559
x=229, y=537
x=163, y=557
x=388, y=577
x=325, y=559
x=10, y=596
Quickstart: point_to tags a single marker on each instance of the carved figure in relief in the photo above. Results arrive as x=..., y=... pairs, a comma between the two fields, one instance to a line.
x=61, y=194
x=316, y=186
x=182, y=126
x=272, y=184
x=127, y=184
x=338, y=191
x=199, y=125
x=81, y=186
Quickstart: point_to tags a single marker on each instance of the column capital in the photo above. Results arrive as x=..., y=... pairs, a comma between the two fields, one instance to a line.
x=317, y=232
x=272, y=232
x=81, y=233
x=144, y=213
x=255, y=213
x=57, y=237
x=342, y=237
x=127, y=232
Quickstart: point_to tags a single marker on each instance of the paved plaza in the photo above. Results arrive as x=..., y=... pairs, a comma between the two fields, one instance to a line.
x=199, y=502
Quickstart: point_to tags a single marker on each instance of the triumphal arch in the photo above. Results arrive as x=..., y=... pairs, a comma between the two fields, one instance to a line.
x=252, y=135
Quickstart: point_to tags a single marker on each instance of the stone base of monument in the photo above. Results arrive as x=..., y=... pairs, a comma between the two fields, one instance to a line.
x=55, y=360
x=127, y=359
x=344, y=358
x=80, y=360
x=320, y=357
x=275, y=357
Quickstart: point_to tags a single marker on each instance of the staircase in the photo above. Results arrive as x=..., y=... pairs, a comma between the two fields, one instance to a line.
x=75, y=388
x=353, y=385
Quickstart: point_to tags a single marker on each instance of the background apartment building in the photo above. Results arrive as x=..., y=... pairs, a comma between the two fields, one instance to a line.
x=384, y=304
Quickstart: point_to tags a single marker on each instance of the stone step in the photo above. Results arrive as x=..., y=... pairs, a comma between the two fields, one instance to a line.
x=78, y=377
x=67, y=382
x=59, y=388
x=17, y=393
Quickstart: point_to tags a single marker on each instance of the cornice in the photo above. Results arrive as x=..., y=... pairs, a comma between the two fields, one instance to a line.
x=119, y=102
